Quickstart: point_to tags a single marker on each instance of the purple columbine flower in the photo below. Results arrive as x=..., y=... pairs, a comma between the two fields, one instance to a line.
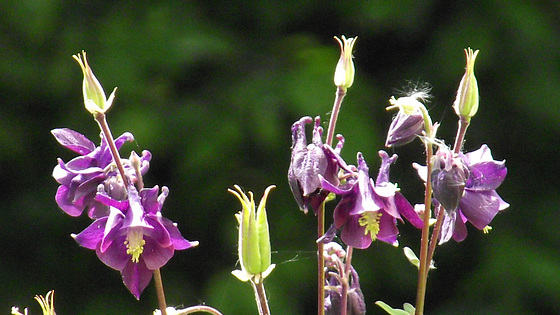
x=134, y=239
x=404, y=128
x=80, y=177
x=479, y=203
x=367, y=212
x=310, y=161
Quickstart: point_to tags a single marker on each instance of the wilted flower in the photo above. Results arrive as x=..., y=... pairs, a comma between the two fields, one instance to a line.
x=80, y=177
x=449, y=176
x=310, y=161
x=134, y=239
x=479, y=202
x=366, y=212
x=404, y=128
x=344, y=73
x=466, y=102
x=94, y=95
x=254, y=239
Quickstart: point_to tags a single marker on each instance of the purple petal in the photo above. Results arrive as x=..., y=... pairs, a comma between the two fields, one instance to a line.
x=480, y=207
x=486, y=175
x=386, y=161
x=460, y=232
x=149, y=199
x=447, y=226
x=388, y=231
x=179, y=242
x=483, y=154
x=92, y=235
x=64, y=200
x=158, y=232
x=125, y=137
x=108, y=201
x=73, y=140
x=115, y=256
x=136, y=277
x=353, y=234
x=154, y=255
x=407, y=210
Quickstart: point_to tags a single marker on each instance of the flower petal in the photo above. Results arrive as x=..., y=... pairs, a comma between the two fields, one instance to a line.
x=486, y=175
x=480, y=207
x=353, y=233
x=92, y=235
x=136, y=277
x=73, y=140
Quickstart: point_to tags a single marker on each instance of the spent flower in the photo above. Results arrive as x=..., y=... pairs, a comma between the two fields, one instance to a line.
x=95, y=100
x=254, y=239
x=309, y=161
x=344, y=73
x=466, y=102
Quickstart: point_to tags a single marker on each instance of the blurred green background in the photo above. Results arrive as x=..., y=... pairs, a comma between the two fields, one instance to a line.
x=211, y=88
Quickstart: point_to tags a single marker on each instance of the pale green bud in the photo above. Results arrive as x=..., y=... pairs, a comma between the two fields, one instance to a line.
x=94, y=96
x=344, y=73
x=254, y=239
x=466, y=103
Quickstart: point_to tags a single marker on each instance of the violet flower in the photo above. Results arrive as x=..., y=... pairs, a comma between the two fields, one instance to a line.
x=367, y=212
x=310, y=161
x=134, y=239
x=479, y=202
x=80, y=177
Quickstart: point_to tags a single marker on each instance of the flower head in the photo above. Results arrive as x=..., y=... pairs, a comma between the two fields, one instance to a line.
x=254, y=239
x=134, y=238
x=80, y=177
x=367, y=212
x=466, y=102
x=344, y=73
x=309, y=161
x=94, y=95
x=479, y=203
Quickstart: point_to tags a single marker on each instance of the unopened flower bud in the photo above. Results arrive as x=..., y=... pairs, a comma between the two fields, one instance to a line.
x=254, y=239
x=466, y=103
x=344, y=74
x=94, y=96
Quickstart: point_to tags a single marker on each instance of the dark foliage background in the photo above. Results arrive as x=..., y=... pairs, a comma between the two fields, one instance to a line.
x=211, y=88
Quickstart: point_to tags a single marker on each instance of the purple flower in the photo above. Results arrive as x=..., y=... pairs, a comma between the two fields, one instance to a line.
x=367, y=212
x=404, y=128
x=134, y=239
x=80, y=177
x=310, y=161
x=479, y=203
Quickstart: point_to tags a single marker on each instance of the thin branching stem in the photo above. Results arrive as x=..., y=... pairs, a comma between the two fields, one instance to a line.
x=198, y=309
x=345, y=277
x=102, y=121
x=260, y=297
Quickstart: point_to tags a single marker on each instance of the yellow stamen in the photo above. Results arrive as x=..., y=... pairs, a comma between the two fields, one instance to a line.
x=487, y=229
x=135, y=244
x=370, y=219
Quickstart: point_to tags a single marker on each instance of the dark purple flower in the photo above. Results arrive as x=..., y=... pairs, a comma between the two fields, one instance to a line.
x=479, y=202
x=134, y=239
x=367, y=212
x=80, y=177
x=449, y=176
x=333, y=296
x=310, y=161
x=404, y=128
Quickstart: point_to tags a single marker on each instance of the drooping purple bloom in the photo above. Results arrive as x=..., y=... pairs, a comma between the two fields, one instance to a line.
x=81, y=176
x=134, y=238
x=333, y=296
x=479, y=202
x=367, y=212
x=404, y=128
x=310, y=161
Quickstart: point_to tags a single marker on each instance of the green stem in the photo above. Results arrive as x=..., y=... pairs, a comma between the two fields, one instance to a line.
x=102, y=121
x=423, y=270
x=345, y=276
x=160, y=293
x=321, y=261
x=260, y=297
x=339, y=96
